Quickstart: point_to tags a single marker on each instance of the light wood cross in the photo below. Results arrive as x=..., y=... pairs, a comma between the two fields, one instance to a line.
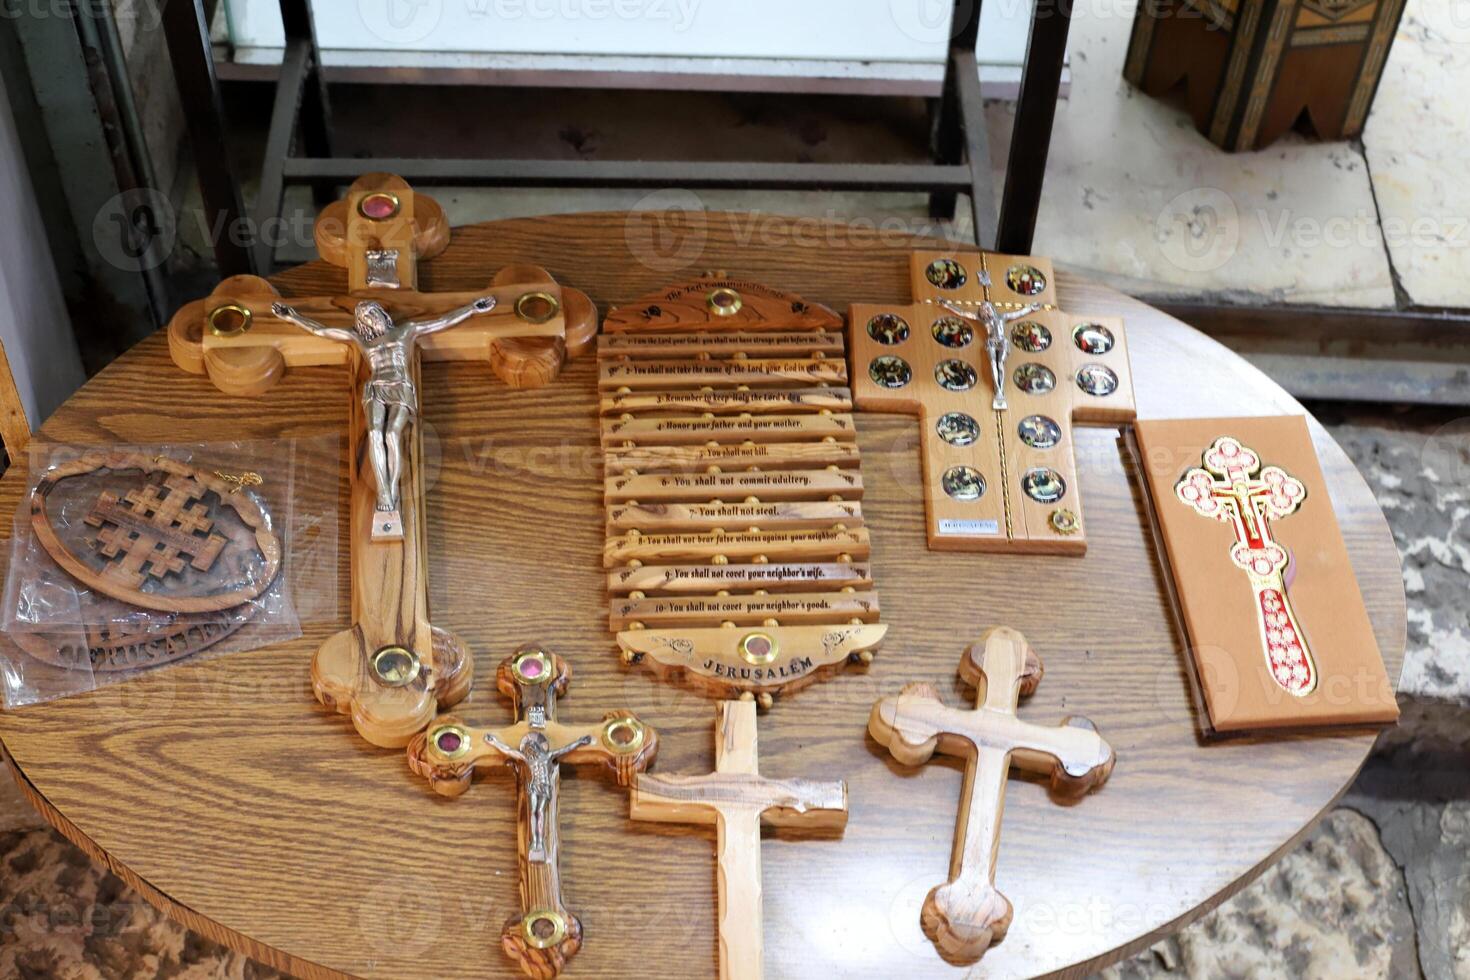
x=737, y=799
x=391, y=669
x=544, y=934
x=998, y=377
x=966, y=915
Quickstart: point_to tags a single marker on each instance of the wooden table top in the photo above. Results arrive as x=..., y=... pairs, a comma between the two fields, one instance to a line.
x=257, y=817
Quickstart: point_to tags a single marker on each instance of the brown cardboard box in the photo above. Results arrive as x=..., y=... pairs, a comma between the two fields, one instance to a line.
x=1219, y=602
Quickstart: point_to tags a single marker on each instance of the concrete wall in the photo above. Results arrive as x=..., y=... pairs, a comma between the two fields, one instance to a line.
x=34, y=326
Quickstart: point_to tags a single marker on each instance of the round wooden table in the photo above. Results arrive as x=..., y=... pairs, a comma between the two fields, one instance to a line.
x=244, y=809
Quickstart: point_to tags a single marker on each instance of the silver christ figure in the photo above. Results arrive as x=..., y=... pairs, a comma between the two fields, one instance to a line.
x=997, y=340
x=539, y=761
x=389, y=400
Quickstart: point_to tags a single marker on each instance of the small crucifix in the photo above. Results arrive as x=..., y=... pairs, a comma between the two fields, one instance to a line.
x=1233, y=488
x=544, y=934
x=391, y=669
x=737, y=799
x=966, y=915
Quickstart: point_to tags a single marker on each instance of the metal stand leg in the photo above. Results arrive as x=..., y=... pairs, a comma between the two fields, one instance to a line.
x=1036, y=109
x=187, y=36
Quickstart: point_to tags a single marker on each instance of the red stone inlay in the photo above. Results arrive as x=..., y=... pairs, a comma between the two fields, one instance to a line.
x=531, y=667
x=379, y=206
x=449, y=742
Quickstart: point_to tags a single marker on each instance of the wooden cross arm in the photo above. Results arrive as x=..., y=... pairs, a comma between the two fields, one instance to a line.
x=915, y=723
x=804, y=803
x=449, y=751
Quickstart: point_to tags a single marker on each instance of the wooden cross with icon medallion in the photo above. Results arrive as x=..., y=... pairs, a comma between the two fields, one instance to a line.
x=997, y=376
x=544, y=934
x=391, y=669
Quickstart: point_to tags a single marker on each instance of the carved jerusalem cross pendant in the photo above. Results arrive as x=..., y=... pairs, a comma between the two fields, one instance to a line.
x=1234, y=489
x=390, y=669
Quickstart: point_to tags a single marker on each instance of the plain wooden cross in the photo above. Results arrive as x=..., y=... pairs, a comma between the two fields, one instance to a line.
x=997, y=400
x=966, y=915
x=391, y=670
x=1234, y=489
x=737, y=799
x=544, y=934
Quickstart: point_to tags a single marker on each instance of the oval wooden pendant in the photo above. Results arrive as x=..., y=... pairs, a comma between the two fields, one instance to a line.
x=181, y=541
x=118, y=647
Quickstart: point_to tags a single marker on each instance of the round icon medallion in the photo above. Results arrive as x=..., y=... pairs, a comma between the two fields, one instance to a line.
x=890, y=372
x=958, y=428
x=1035, y=379
x=1043, y=485
x=963, y=483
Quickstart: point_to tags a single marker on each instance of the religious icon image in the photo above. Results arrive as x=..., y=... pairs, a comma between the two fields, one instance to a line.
x=1092, y=338
x=1039, y=431
x=1035, y=379
x=389, y=400
x=963, y=483
x=1031, y=337
x=888, y=328
x=952, y=332
x=1043, y=485
x=958, y=428
x=946, y=274
x=1027, y=280
x=890, y=371
x=1098, y=380
x=954, y=375
x=1233, y=488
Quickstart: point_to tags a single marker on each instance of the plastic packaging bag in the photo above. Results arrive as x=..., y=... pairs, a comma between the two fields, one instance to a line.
x=128, y=558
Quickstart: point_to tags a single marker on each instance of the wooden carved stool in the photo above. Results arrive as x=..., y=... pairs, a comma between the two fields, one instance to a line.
x=1253, y=68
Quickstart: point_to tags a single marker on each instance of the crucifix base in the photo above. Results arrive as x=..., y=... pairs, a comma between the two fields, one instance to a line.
x=387, y=525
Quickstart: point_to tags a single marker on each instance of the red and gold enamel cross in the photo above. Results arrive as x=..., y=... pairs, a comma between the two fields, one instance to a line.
x=1233, y=488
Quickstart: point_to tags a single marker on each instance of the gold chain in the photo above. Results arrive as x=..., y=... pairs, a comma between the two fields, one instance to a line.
x=1005, y=476
x=240, y=481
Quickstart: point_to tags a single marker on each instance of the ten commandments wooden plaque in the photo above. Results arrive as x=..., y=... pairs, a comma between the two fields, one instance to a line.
x=997, y=376
x=737, y=552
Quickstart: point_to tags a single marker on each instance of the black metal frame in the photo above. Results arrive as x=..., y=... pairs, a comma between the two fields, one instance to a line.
x=959, y=143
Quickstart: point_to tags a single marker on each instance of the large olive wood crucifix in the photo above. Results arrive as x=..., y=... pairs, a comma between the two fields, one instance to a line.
x=737, y=799
x=391, y=670
x=544, y=934
x=966, y=915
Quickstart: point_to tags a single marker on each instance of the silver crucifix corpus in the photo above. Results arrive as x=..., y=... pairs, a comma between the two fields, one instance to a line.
x=389, y=400
x=997, y=341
